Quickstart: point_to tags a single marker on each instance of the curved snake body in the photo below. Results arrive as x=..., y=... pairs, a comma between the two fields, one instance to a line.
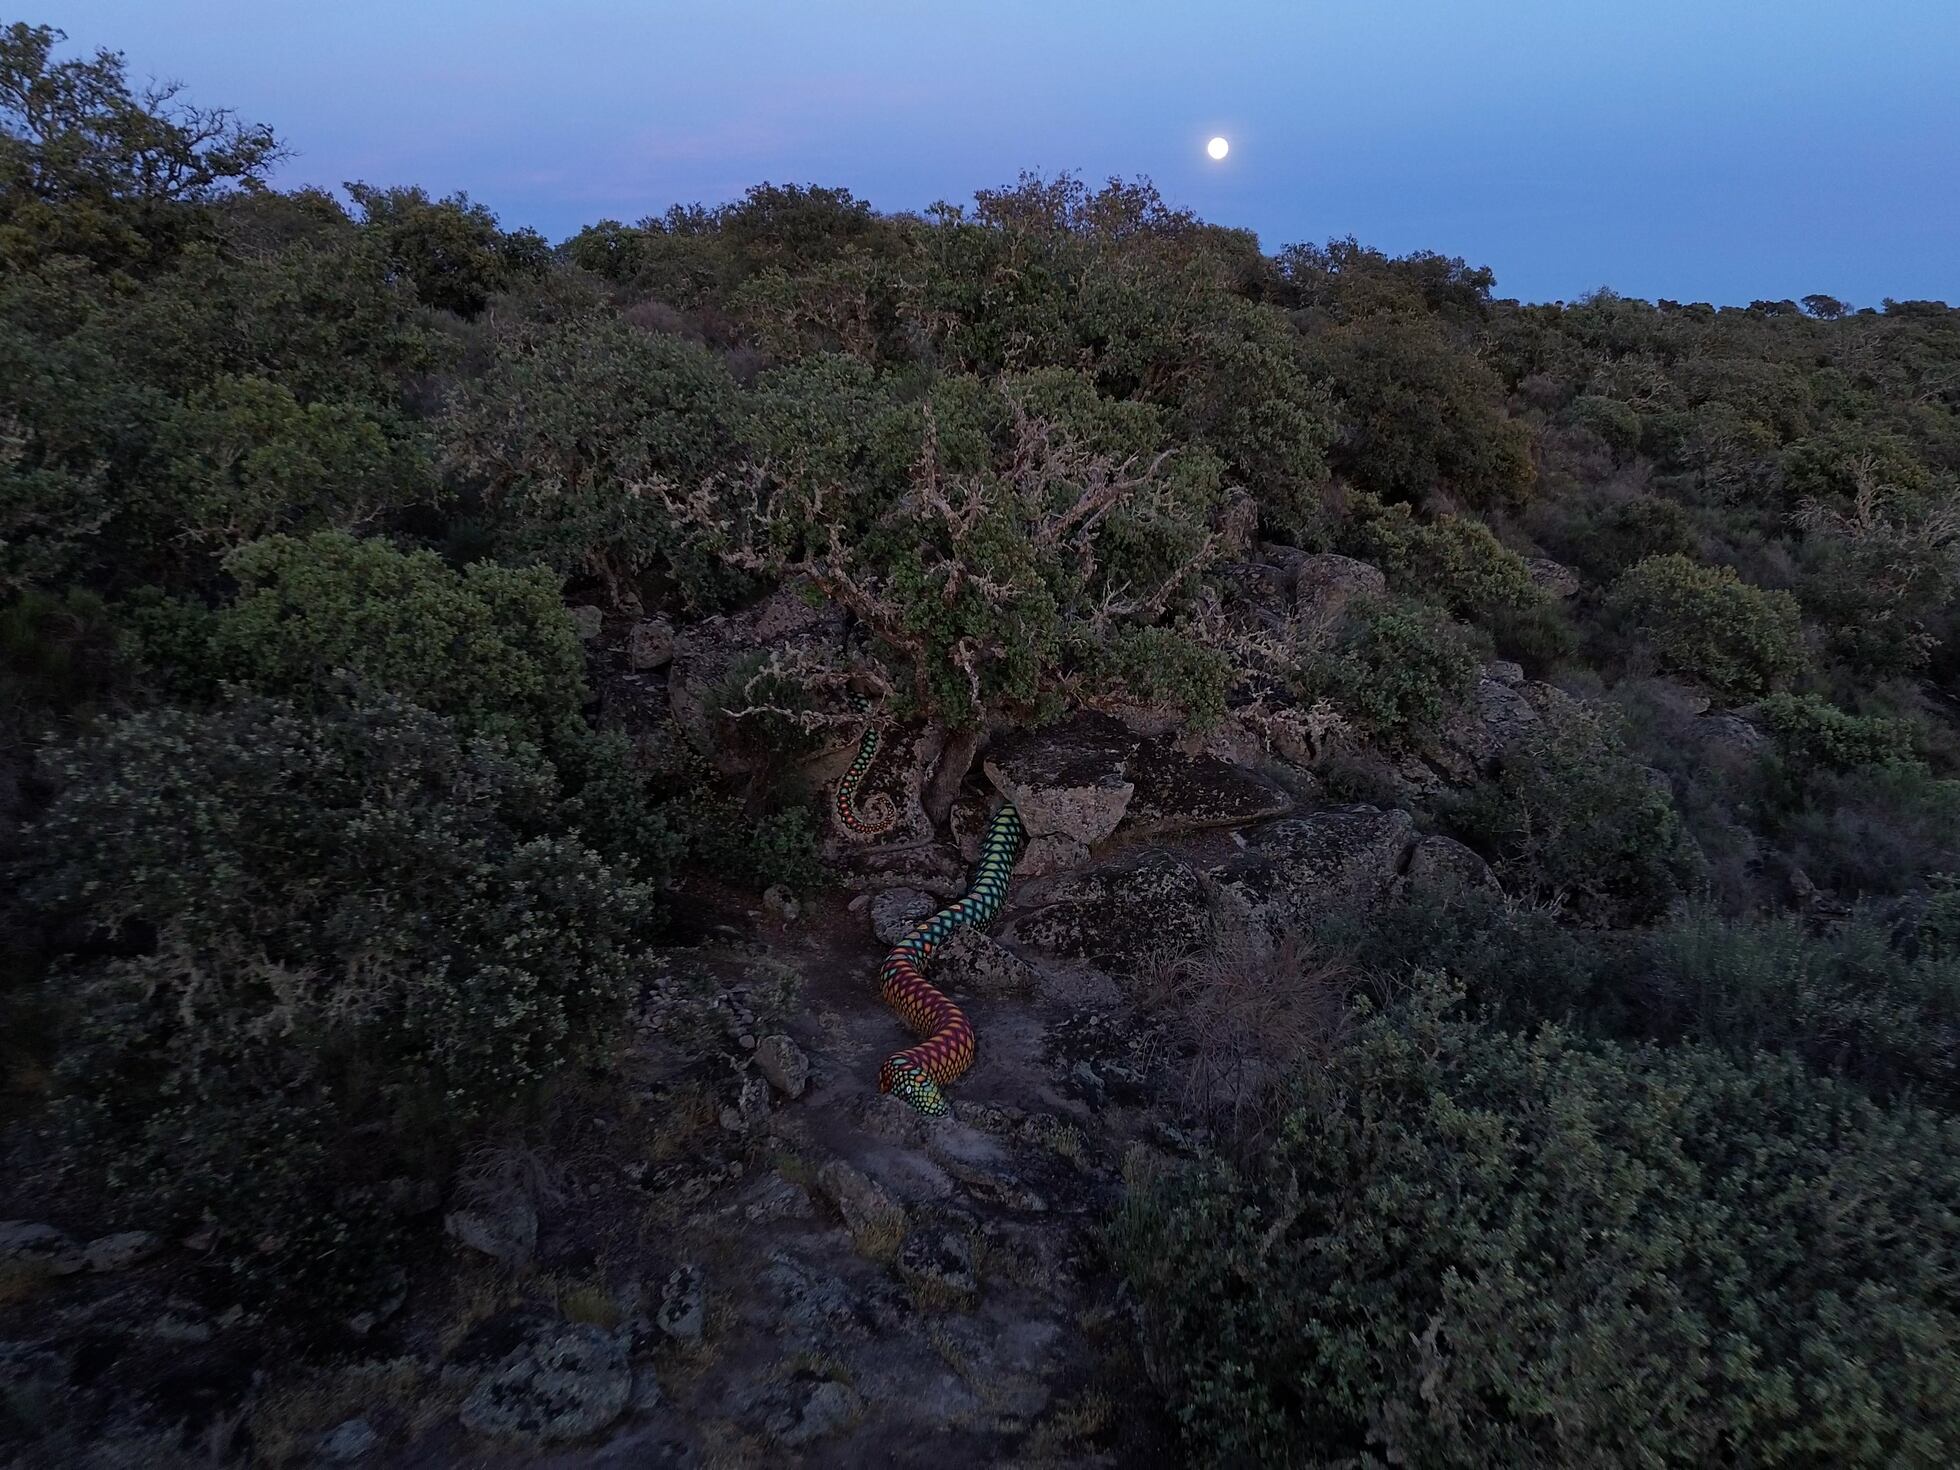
x=946, y=1050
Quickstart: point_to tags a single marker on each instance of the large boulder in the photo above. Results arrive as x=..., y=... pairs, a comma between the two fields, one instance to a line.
x=1553, y=578
x=39, y=1247
x=1117, y=915
x=1070, y=779
x=1181, y=793
x=1442, y=865
x=1497, y=714
x=1327, y=581
x=1292, y=870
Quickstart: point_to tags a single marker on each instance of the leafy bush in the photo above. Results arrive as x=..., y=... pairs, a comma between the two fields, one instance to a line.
x=491, y=646
x=347, y=939
x=1813, y=734
x=1473, y=1248
x=1570, y=814
x=1401, y=669
x=1015, y=574
x=1418, y=412
x=1616, y=423
x=1459, y=563
x=1708, y=623
x=1849, y=1001
x=568, y=429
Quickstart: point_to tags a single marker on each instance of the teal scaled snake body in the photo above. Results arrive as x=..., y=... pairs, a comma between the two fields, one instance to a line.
x=946, y=1049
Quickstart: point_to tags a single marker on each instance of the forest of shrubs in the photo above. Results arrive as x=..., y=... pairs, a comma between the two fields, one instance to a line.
x=320, y=870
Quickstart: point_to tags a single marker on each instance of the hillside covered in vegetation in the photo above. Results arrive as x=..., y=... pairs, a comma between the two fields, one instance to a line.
x=1487, y=991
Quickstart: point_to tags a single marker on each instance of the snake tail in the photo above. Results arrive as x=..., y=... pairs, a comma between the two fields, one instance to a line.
x=884, y=814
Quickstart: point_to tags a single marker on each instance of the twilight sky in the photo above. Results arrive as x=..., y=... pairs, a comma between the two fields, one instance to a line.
x=1715, y=150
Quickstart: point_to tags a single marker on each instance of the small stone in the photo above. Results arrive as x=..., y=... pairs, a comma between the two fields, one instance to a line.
x=588, y=621
x=1504, y=671
x=119, y=1251
x=650, y=645
x=859, y=904
x=779, y=901
x=897, y=911
x=348, y=1442
x=506, y=1232
x=683, y=1307
x=782, y=1061
x=29, y=1243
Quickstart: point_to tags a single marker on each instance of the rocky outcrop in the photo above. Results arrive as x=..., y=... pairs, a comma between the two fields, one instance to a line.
x=650, y=644
x=1182, y=793
x=1069, y=779
x=1115, y=916
x=1551, y=577
x=1328, y=581
x=1291, y=871
x=936, y=1261
x=800, y=1409
x=974, y=963
x=1443, y=865
x=569, y=1381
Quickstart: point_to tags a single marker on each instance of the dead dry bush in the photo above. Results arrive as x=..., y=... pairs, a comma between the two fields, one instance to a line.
x=1237, y=1020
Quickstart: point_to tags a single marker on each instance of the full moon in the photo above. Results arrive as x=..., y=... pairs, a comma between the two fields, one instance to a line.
x=1218, y=148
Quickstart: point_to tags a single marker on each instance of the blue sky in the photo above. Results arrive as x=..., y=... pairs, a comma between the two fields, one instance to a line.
x=1715, y=150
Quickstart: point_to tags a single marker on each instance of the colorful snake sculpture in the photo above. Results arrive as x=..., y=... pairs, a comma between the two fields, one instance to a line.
x=917, y=1073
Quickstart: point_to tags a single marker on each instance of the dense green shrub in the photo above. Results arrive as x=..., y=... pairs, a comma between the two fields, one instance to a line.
x=1474, y=1248
x=489, y=645
x=347, y=940
x=1850, y=1001
x=1419, y=413
x=1811, y=733
x=1708, y=623
x=1402, y=668
x=1017, y=571
x=1616, y=423
x=1570, y=815
x=1459, y=563
x=566, y=432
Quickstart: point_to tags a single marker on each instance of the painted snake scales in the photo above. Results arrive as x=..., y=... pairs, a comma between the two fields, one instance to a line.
x=946, y=1050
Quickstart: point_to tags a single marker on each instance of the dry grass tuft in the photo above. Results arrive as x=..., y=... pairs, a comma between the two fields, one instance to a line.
x=1238, y=1019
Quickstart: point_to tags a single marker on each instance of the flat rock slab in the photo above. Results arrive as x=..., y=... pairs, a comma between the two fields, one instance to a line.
x=1116, y=915
x=1069, y=779
x=1293, y=870
x=1183, y=793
